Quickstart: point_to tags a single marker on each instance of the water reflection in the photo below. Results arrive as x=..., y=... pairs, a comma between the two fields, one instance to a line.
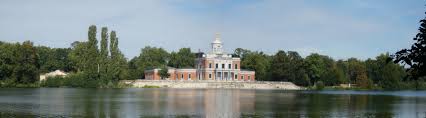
x=200, y=103
x=68, y=102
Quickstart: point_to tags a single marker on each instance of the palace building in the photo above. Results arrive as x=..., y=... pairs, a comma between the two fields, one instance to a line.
x=215, y=65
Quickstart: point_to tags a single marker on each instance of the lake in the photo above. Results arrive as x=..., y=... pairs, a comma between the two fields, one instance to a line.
x=140, y=102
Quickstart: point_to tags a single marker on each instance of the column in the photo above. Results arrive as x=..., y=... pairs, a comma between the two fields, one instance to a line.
x=215, y=75
x=229, y=75
x=222, y=75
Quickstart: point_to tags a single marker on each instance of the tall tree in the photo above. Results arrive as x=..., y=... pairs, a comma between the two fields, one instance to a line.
x=104, y=43
x=113, y=45
x=118, y=68
x=415, y=57
x=91, y=54
x=103, y=57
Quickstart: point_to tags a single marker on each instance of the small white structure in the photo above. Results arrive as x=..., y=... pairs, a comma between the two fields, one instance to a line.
x=52, y=74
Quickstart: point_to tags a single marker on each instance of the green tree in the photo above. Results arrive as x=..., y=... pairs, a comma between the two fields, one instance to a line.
x=27, y=69
x=164, y=72
x=342, y=68
x=133, y=69
x=333, y=77
x=288, y=68
x=78, y=56
x=358, y=73
x=354, y=67
x=415, y=57
x=280, y=67
x=296, y=66
x=19, y=63
x=239, y=52
x=182, y=59
x=258, y=62
x=149, y=58
x=318, y=67
x=388, y=75
x=362, y=80
x=91, y=55
x=119, y=67
x=51, y=59
x=104, y=62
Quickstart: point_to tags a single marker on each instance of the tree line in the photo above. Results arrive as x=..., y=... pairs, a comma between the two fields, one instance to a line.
x=316, y=68
x=90, y=66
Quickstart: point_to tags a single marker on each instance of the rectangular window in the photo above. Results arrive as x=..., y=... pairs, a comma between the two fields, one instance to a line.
x=217, y=66
x=236, y=76
x=182, y=76
x=249, y=77
x=223, y=65
x=210, y=65
x=189, y=76
x=242, y=77
x=229, y=66
x=210, y=76
x=236, y=67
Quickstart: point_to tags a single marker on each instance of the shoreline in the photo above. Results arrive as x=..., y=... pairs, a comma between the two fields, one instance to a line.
x=266, y=85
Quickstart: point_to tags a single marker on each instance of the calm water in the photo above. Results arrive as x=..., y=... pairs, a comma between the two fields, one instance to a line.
x=71, y=102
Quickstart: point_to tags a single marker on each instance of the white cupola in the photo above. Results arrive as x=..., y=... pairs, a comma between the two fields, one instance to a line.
x=217, y=45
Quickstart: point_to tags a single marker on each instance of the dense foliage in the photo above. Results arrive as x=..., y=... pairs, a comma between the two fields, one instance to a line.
x=89, y=66
x=314, y=68
x=19, y=63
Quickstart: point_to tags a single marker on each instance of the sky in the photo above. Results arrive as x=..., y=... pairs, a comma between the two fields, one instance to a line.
x=338, y=28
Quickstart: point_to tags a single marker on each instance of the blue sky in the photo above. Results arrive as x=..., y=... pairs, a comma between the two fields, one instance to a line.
x=338, y=28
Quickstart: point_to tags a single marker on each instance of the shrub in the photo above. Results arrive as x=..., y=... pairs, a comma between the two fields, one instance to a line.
x=80, y=79
x=304, y=81
x=150, y=86
x=319, y=85
x=56, y=81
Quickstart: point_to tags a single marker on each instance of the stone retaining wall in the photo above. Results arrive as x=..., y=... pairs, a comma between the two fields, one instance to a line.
x=214, y=84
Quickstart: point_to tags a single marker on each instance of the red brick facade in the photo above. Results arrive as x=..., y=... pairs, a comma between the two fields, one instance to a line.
x=215, y=65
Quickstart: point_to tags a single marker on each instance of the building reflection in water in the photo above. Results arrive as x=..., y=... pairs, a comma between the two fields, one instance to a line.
x=228, y=103
x=201, y=102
